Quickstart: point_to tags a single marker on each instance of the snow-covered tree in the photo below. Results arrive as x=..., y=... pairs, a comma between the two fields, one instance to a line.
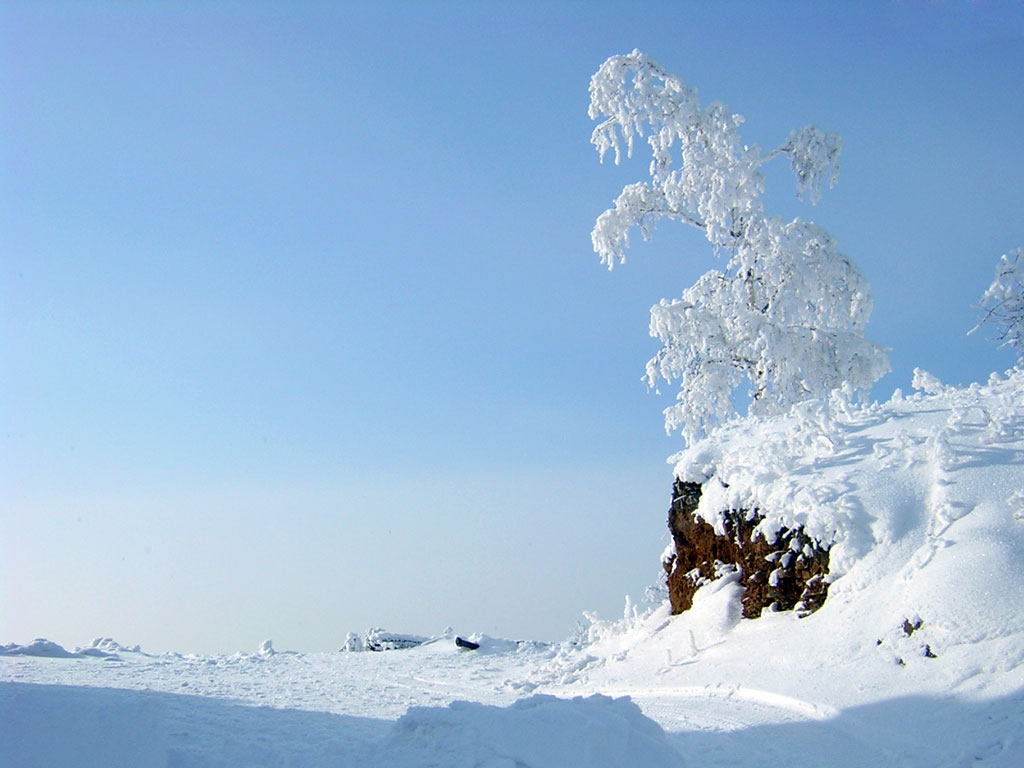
x=785, y=318
x=1003, y=302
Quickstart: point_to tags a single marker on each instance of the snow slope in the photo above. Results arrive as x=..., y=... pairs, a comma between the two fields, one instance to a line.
x=916, y=658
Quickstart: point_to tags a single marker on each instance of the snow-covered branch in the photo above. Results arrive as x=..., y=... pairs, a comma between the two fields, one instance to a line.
x=815, y=156
x=1003, y=302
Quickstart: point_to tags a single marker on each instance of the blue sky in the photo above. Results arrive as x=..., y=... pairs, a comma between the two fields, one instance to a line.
x=301, y=327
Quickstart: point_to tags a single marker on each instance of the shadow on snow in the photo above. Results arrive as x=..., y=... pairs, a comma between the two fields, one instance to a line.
x=910, y=732
x=57, y=725
x=48, y=725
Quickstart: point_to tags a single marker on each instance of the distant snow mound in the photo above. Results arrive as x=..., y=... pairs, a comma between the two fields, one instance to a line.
x=38, y=647
x=539, y=732
x=109, y=645
x=44, y=648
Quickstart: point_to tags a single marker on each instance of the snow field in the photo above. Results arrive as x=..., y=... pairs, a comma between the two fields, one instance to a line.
x=399, y=708
x=915, y=660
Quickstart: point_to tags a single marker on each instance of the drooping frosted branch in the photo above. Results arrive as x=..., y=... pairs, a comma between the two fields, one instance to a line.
x=814, y=155
x=653, y=95
x=704, y=173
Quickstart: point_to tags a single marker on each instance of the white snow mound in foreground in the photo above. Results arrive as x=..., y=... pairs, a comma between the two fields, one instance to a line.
x=540, y=732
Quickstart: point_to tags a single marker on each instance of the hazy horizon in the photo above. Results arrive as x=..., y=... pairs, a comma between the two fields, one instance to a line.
x=303, y=332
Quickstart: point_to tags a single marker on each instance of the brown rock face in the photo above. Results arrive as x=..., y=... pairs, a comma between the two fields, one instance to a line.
x=788, y=572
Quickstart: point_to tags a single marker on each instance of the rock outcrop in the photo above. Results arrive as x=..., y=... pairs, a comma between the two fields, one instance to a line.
x=787, y=573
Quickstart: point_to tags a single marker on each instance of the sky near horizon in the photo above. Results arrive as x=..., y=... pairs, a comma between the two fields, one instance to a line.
x=301, y=327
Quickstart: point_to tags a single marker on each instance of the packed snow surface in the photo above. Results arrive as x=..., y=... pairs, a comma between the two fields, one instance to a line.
x=916, y=658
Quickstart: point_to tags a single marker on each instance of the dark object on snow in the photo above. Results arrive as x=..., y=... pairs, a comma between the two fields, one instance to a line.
x=929, y=654
x=910, y=628
x=469, y=645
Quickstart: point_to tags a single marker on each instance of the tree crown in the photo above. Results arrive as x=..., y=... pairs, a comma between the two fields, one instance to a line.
x=786, y=315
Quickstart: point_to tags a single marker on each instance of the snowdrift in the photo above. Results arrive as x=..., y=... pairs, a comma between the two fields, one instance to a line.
x=100, y=648
x=540, y=732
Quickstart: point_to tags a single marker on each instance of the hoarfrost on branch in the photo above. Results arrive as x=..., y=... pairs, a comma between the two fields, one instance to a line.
x=1003, y=302
x=786, y=315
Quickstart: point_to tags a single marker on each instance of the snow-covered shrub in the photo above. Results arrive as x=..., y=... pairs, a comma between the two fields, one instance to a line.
x=1003, y=302
x=353, y=644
